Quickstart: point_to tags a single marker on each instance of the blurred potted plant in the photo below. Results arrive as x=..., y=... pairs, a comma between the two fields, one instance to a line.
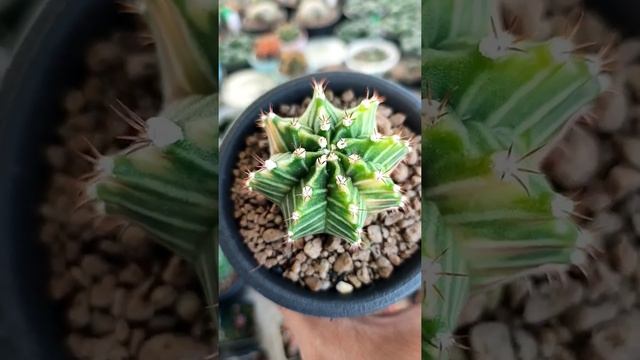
x=292, y=38
x=325, y=51
x=235, y=51
x=372, y=56
x=262, y=16
x=292, y=64
x=317, y=16
x=350, y=30
x=266, y=52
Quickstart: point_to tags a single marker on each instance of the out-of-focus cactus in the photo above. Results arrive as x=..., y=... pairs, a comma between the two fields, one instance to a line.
x=267, y=47
x=167, y=180
x=288, y=32
x=494, y=105
x=393, y=20
x=293, y=63
x=263, y=15
x=313, y=14
x=184, y=33
x=361, y=9
x=329, y=168
x=235, y=52
x=351, y=30
x=410, y=44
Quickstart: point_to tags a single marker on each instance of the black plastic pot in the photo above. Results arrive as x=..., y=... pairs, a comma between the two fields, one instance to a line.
x=619, y=14
x=382, y=293
x=325, y=30
x=48, y=62
x=322, y=31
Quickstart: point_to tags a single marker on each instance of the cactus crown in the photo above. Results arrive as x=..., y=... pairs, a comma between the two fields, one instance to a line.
x=329, y=168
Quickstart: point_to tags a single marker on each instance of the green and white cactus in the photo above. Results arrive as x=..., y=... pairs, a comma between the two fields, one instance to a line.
x=167, y=180
x=184, y=33
x=494, y=105
x=329, y=168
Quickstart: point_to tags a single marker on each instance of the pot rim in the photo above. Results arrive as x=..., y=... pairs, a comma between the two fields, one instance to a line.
x=405, y=279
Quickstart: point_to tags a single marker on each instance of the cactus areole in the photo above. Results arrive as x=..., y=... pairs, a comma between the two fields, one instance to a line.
x=329, y=168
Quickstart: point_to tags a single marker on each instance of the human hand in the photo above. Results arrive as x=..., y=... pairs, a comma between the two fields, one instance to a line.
x=389, y=335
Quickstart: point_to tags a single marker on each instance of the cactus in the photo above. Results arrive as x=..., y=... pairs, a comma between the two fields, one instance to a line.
x=293, y=63
x=329, y=168
x=183, y=31
x=494, y=105
x=235, y=52
x=288, y=33
x=362, y=9
x=350, y=30
x=313, y=14
x=392, y=20
x=267, y=47
x=263, y=15
x=166, y=181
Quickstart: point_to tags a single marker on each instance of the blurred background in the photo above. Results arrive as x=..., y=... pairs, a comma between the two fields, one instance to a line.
x=266, y=42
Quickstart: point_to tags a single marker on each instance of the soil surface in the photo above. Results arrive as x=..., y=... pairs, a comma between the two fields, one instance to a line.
x=322, y=262
x=122, y=296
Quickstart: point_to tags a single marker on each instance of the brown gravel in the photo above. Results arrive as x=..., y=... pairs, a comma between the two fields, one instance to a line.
x=117, y=288
x=321, y=262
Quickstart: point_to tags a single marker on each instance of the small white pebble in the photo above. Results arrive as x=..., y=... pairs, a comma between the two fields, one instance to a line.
x=344, y=287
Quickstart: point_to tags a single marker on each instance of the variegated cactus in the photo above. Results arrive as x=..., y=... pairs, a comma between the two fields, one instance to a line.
x=167, y=180
x=184, y=32
x=494, y=105
x=329, y=168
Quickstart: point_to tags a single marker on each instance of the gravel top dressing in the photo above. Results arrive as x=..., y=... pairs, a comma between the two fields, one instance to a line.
x=321, y=262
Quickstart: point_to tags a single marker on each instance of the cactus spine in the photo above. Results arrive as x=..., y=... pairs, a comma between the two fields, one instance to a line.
x=329, y=168
x=493, y=107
